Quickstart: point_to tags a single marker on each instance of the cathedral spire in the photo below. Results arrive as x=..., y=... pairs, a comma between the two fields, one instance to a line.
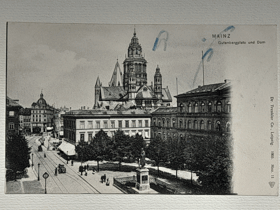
x=98, y=83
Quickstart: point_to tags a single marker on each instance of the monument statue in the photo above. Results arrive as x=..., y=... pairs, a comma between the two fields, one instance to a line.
x=142, y=160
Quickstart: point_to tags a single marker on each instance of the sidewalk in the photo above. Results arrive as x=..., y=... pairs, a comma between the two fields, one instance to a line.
x=27, y=185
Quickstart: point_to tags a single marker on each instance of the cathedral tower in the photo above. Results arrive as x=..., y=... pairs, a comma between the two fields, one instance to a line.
x=135, y=59
x=132, y=83
x=97, y=91
x=158, y=83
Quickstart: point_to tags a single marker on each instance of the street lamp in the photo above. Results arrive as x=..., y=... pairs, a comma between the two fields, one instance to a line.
x=32, y=160
x=38, y=171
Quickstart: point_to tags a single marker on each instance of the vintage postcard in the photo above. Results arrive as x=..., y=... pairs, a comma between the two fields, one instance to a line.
x=141, y=109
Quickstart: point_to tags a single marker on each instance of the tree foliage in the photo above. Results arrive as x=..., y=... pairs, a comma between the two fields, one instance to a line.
x=99, y=147
x=210, y=158
x=17, y=152
x=83, y=150
x=120, y=147
x=157, y=151
x=137, y=143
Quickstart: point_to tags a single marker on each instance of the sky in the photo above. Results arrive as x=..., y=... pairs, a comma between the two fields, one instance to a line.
x=64, y=60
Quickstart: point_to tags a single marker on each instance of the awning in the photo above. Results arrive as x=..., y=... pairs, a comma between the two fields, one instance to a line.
x=49, y=128
x=67, y=148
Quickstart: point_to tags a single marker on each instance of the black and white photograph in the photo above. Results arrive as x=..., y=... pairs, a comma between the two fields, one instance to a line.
x=141, y=109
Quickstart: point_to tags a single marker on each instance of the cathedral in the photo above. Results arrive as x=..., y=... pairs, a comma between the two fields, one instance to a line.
x=130, y=88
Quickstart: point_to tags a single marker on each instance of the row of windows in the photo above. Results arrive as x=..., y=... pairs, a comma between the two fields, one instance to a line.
x=203, y=107
x=201, y=125
x=112, y=133
x=38, y=115
x=39, y=120
x=112, y=124
x=38, y=111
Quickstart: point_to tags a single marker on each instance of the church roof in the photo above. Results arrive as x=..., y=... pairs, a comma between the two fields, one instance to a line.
x=166, y=96
x=11, y=102
x=112, y=93
x=117, y=77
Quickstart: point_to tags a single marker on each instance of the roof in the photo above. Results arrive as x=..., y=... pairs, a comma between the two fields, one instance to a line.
x=94, y=112
x=112, y=93
x=116, y=79
x=166, y=96
x=165, y=110
x=12, y=102
x=207, y=88
x=26, y=111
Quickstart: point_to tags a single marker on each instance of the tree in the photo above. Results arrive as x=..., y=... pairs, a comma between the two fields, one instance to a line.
x=99, y=147
x=17, y=152
x=83, y=151
x=175, y=151
x=211, y=160
x=157, y=151
x=120, y=147
x=137, y=143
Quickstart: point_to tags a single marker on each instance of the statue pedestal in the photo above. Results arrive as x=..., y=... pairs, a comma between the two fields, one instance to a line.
x=142, y=180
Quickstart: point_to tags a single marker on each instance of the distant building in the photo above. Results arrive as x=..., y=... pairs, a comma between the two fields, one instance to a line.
x=41, y=115
x=202, y=111
x=131, y=86
x=84, y=124
x=25, y=119
x=12, y=115
x=58, y=121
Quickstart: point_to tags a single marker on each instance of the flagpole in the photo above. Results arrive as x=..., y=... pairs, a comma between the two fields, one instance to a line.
x=177, y=85
x=202, y=66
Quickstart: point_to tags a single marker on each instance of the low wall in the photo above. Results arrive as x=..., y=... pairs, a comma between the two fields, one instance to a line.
x=120, y=183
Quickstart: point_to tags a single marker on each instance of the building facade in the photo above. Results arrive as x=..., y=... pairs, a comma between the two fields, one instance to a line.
x=132, y=86
x=12, y=115
x=58, y=122
x=42, y=115
x=25, y=120
x=84, y=124
x=205, y=110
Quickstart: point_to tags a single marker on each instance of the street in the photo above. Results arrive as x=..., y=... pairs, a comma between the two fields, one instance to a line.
x=69, y=182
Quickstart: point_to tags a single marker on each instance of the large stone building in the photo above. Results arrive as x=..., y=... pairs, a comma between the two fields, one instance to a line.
x=132, y=86
x=205, y=110
x=41, y=115
x=12, y=115
x=84, y=124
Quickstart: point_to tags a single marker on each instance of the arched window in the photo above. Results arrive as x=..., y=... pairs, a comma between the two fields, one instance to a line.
x=173, y=123
x=186, y=124
x=163, y=122
x=228, y=107
x=168, y=122
x=189, y=124
x=154, y=121
x=209, y=125
x=218, y=126
x=163, y=135
x=210, y=107
x=228, y=126
x=159, y=123
x=181, y=124
x=181, y=107
x=190, y=108
x=202, y=107
x=195, y=125
x=201, y=125
x=219, y=106
x=195, y=107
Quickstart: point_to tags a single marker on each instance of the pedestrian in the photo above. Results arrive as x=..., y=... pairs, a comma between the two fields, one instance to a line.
x=45, y=155
x=55, y=171
x=85, y=173
x=104, y=177
x=85, y=167
x=108, y=182
x=71, y=162
x=81, y=170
